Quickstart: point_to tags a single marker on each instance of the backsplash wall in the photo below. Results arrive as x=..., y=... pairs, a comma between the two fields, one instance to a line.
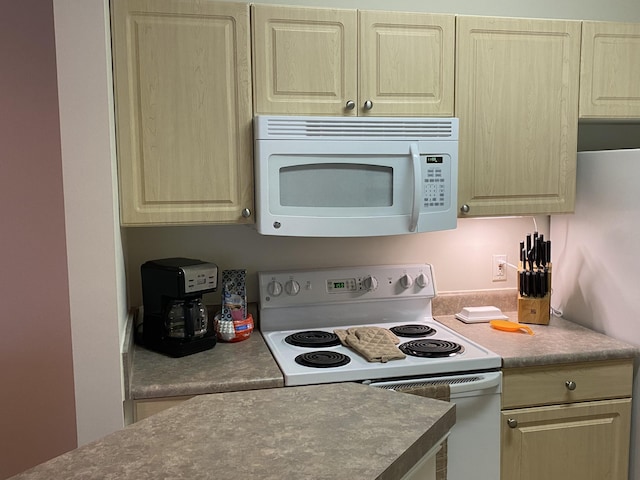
x=462, y=258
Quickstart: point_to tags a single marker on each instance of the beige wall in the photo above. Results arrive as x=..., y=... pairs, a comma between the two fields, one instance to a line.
x=37, y=411
x=461, y=257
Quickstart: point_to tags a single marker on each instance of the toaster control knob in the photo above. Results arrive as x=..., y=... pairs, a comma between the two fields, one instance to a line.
x=406, y=281
x=292, y=287
x=422, y=280
x=274, y=288
x=370, y=283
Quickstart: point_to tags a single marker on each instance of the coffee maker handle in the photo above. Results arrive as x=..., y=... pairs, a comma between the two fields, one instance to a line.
x=188, y=320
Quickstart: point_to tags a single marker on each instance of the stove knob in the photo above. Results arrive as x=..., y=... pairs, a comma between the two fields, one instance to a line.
x=274, y=288
x=422, y=280
x=292, y=287
x=370, y=283
x=406, y=281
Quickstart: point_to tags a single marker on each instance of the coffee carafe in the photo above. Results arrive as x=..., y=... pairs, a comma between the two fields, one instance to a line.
x=175, y=320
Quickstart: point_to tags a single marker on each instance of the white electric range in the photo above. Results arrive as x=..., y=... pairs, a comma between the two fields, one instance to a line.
x=300, y=310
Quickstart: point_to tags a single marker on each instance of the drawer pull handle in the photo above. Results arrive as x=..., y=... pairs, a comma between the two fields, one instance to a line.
x=512, y=422
x=570, y=385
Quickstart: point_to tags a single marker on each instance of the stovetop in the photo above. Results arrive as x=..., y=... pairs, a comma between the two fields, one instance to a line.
x=384, y=296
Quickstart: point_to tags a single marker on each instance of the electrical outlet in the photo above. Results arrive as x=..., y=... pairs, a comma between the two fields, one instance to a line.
x=499, y=268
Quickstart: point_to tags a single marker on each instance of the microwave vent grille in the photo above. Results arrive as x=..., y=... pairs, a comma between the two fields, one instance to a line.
x=350, y=128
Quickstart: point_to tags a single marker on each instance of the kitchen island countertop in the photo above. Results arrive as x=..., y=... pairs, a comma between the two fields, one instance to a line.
x=561, y=341
x=330, y=431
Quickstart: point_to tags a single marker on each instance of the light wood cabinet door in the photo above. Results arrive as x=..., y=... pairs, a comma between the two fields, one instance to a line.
x=319, y=61
x=517, y=100
x=183, y=111
x=305, y=60
x=610, y=69
x=406, y=63
x=582, y=441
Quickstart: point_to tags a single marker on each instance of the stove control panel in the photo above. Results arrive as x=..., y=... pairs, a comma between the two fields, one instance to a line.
x=334, y=285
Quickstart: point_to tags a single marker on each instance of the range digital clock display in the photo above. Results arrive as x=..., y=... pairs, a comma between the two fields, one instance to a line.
x=342, y=285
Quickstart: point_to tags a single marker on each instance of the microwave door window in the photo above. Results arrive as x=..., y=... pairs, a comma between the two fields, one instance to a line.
x=336, y=185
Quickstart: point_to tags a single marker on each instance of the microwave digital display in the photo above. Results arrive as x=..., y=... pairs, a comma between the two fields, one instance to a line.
x=435, y=159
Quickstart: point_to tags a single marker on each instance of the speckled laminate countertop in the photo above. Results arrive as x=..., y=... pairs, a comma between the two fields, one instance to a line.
x=227, y=367
x=561, y=341
x=248, y=365
x=318, y=432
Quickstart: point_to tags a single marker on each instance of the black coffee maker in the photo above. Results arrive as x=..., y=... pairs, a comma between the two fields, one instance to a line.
x=175, y=320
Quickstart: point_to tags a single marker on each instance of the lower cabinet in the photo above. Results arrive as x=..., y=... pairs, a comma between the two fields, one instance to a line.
x=145, y=408
x=569, y=422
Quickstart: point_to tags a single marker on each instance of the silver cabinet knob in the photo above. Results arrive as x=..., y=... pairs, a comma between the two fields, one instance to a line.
x=512, y=422
x=465, y=208
x=246, y=213
x=570, y=385
x=368, y=105
x=350, y=105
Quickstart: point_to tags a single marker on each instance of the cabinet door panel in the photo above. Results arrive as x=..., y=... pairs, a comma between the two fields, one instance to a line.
x=305, y=60
x=406, y=63
x=517, y=100
x=583, y=441
x=609, y=86
x=183, y=111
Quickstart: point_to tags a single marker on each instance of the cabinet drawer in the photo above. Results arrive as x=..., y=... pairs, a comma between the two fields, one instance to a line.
x=553, y=384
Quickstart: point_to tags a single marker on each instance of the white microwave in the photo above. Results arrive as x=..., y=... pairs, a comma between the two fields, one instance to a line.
x=355, y=176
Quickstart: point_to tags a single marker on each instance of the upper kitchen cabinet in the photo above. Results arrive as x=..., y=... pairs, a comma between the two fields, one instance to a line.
x=183, y=111
x=517, y=100
x=314, y=61
x=610, y=70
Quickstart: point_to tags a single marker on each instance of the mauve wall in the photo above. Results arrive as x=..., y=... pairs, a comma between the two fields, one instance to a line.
x=37, y=406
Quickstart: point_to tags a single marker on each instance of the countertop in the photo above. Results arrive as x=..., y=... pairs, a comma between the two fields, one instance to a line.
x=330, y=431
x=227, y=367
x=561, y=341
x=249, y=365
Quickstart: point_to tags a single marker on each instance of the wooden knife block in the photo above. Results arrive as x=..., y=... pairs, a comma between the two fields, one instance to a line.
x=535, y=310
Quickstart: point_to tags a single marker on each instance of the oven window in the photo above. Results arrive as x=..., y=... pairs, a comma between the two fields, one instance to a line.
x=336, y=185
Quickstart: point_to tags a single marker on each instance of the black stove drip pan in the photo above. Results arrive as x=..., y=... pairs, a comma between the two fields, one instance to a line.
x=431, y=348
x=313, y=339
x=412, y=330
x=322, y=359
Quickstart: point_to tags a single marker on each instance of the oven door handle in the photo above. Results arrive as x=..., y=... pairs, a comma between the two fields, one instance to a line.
x=463, y=384
x=486, y=381
x=417, y=177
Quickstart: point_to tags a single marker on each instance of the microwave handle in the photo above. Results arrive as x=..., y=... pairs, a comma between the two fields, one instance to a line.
x=417, y=177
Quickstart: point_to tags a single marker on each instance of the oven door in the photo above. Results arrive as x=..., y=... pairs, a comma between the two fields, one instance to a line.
x=353, y=188
x=473, y=446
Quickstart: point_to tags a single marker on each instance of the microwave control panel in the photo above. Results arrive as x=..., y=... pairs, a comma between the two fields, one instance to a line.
x=436, y=175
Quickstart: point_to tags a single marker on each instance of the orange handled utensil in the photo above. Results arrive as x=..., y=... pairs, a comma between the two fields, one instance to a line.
x=507, y=326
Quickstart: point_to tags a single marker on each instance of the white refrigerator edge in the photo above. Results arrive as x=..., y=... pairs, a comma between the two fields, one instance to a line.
x=596, y=258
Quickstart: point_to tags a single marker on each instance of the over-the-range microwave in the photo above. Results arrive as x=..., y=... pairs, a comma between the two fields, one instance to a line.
x=355, y=176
